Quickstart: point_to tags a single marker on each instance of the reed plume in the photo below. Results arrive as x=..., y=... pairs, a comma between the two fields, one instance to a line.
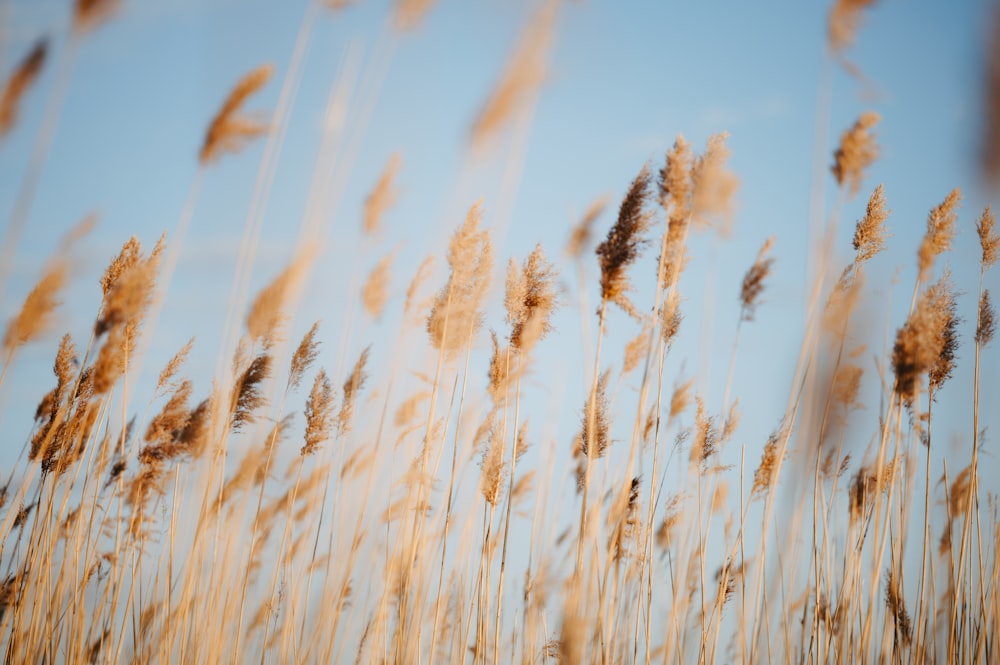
x=582, y=233
x=352, y=387
x=989, y=239
x=530, y=299
x=870, y=233
x=374, y=293
x=940, y=232
x=88, y=14
x=229, y=130
x=304, y=356
x=319, y=414
x=753, y=281
x=925, y=340
x=20, y=81
x=525, y=73
x=624, y=243
x=455, y=313
x=856, y=152
x=713, y=185
x=987, y=324
x=844, y=20
x=382, y=197
x=35, y=314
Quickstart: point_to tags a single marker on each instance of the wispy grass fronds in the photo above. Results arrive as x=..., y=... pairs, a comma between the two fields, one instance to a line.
x=987, y=325
x=352, y=388
x=989, y=239
x=753, y=281
x=870, y=233
x=229, y=130
x=20, y=81
x=382, y=197
x=940, y=232
x=713, y=185
x=455, y=313
x=844, y=20
x=856, y=152
x=88, y=14
x=530, y=299
x=375, y=292
x=600, y=419
x=583, y=232
x=35, y=315
x=624, y=243
x=924, y=340
x=319, y=414
x=524, y=74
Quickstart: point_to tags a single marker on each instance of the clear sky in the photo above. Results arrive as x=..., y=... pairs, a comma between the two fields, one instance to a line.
x=624, y=79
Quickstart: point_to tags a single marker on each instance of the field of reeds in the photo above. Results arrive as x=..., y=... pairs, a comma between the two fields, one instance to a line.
x=481, y=456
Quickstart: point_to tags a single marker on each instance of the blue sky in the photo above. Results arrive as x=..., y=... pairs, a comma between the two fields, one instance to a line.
x=624, y=80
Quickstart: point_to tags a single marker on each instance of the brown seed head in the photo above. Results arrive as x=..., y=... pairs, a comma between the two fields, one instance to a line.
x=530, y=299
x=352, y=388
x=455, y=314
x=940, y=232
x=596, y=435
x=624, y=242
x=304, y=356
x=525, y=73
x=713, y=185
x=869, y=235
x=383, y=197
x=579, y=239
x=989, y=239
x=753, y=281
x=229, y=130
x=88, y=14
x=36, y=313
x=845, y=18
x=986, y=323
x=923, y=342
x=19, y=83
x=319, y=414
x=375, y=292
x=856, y=153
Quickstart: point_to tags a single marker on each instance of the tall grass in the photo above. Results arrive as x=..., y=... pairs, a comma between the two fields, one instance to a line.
x=418, y=511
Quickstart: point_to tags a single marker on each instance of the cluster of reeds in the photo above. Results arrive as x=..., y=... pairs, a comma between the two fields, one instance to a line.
x=420, y=516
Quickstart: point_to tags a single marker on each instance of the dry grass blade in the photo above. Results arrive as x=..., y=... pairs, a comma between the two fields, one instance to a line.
x=228, y=130
x=20, y=81
x=524, y=74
